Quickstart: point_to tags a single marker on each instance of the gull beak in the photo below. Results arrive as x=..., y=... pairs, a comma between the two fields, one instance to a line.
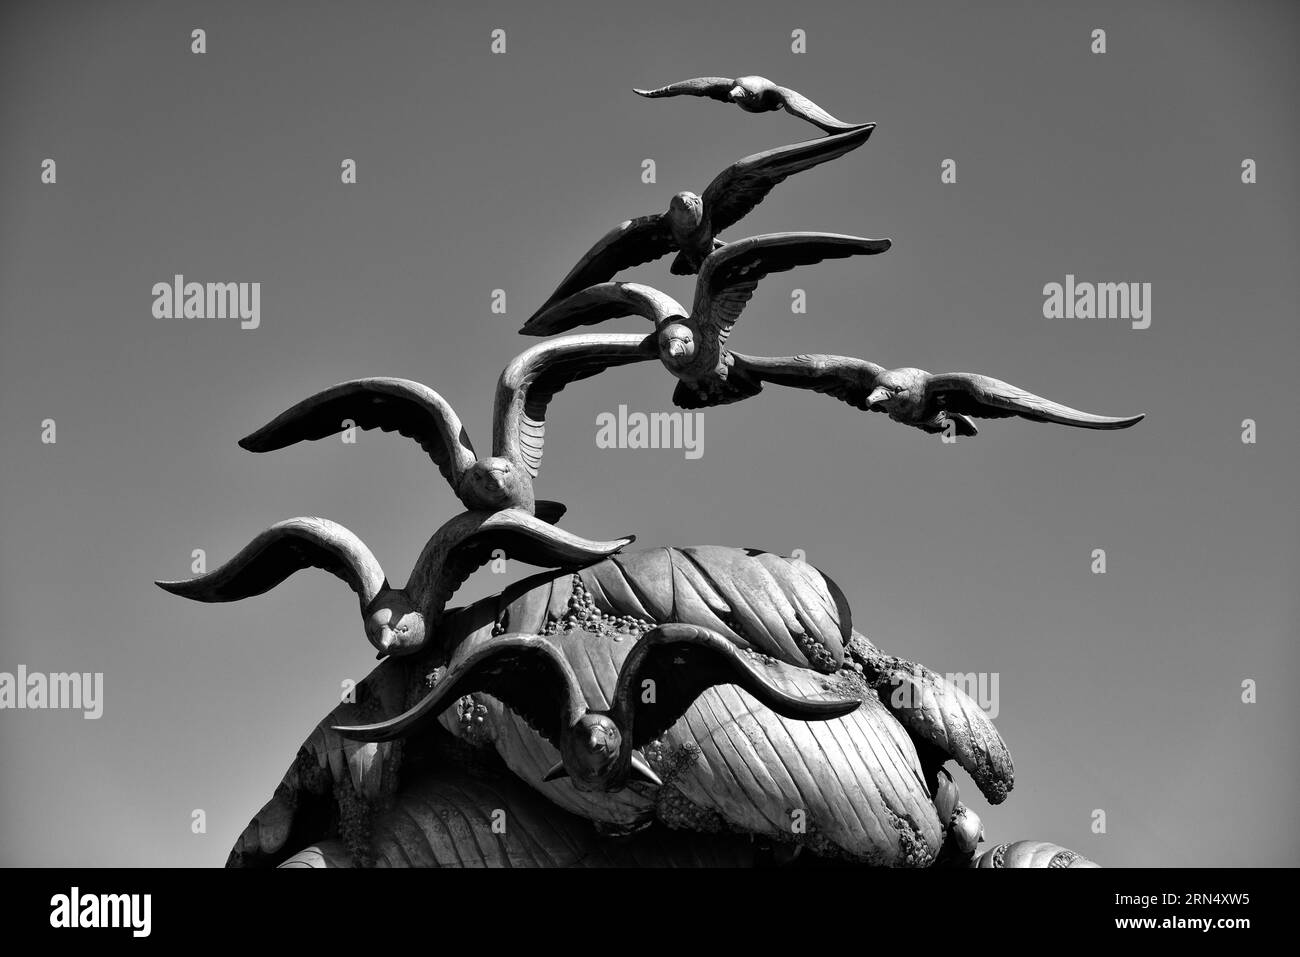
x=878, y=396
x=676, y=349
x=642, y=771
x=736, y=93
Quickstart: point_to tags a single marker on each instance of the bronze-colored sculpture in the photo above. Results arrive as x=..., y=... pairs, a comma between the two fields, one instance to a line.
x=692, y=345
x=716, y=691
x=753, y=94
x=692, y=222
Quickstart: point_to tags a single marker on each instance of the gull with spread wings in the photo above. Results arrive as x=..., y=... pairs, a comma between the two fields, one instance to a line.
x=497, y=491
x=915, y=397
x=524, y=391
x=691, y=345
x=692, y=223
x=753, y=94
x=397, y=621
x=598, y=749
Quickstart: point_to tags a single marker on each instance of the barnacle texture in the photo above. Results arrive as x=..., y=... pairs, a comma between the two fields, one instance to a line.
x=940, y=714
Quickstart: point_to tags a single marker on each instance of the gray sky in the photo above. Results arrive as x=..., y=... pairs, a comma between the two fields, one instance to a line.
x=1119, y=692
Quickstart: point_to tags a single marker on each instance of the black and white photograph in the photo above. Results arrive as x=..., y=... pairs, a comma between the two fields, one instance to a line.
x=800, y=439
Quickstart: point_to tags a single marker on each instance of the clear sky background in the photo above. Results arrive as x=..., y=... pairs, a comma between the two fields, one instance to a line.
x=1119, y=692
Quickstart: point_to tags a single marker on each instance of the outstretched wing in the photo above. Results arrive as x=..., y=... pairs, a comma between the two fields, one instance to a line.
x=467, y=542
x=628, y=244
x=526, y=673
x=673, y=664
x=735, y=191
x=983, y=397
x=606, y=300
x=281, y=550
x=730, y=275
x=533, y=377
x=532, y=540
x=799, y=105
x=394, y=405
x=844, y=377
x=714, y=87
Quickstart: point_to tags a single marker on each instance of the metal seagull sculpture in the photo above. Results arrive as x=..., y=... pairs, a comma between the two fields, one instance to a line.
x=503, y=480
x=753, y=94
x=497, y=491
x=915, y=397
x=598, y=749
x=692, y=222
x=692, y=345
x=397, y=621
